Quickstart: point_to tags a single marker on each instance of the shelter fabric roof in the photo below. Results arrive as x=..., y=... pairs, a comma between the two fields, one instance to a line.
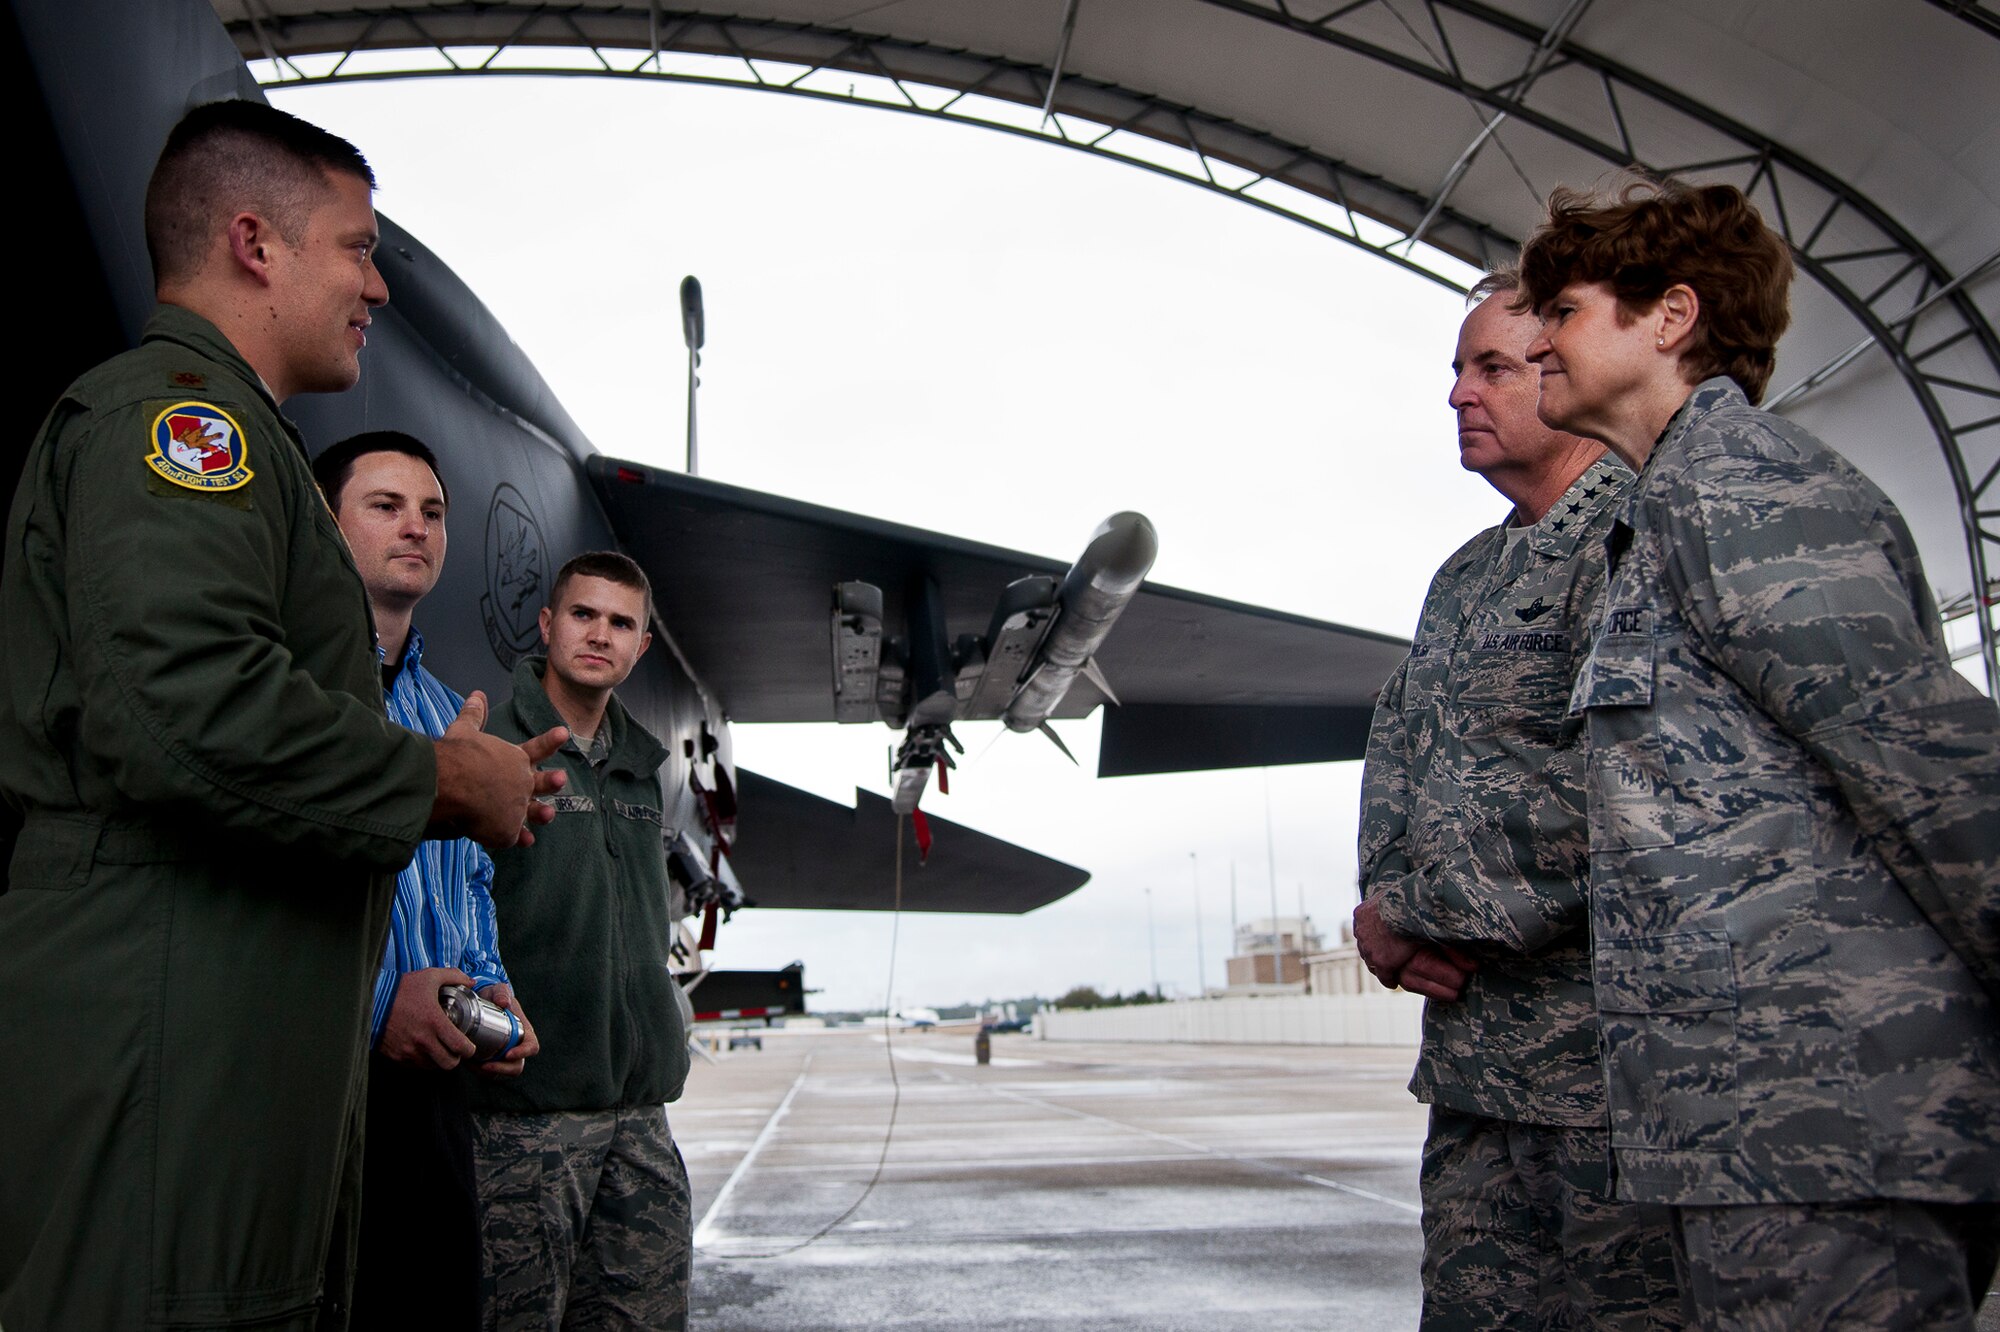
x=1869, y=130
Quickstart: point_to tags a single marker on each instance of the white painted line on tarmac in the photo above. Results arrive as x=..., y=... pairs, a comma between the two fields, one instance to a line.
x=1017, y=1163
x=1189, y=1144
x=705, y=1232
x=911, y=1247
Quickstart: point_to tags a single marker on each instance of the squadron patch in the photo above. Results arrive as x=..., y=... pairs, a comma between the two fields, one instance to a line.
x=199, y=447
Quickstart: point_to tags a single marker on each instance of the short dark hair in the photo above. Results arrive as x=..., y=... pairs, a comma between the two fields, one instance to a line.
x=226, y=158
x=611, y=566
x=1504, y=279
x=333, y=467
x=1654, y=234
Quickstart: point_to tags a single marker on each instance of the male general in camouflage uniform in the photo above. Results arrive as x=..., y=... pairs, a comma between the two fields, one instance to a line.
x=215, y=804
x=1795, y=838
x=1473, y=865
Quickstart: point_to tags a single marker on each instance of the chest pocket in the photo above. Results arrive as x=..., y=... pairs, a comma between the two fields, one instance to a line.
x=1528, y=672
x=1631, y=799
x=1426, y=675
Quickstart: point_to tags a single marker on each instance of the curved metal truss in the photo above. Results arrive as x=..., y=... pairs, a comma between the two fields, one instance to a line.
x=1910, y=305
x=1979, y=16
x=628, y=41
x=1913, y=308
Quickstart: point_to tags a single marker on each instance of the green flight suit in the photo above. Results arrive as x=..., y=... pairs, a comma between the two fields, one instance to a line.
x=215, y=806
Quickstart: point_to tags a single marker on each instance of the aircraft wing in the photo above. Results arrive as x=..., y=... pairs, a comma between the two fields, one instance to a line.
x=831, y=856
x=747, y=580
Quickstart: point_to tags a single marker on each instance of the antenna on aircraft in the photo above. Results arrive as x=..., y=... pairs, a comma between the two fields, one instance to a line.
x=692, y=332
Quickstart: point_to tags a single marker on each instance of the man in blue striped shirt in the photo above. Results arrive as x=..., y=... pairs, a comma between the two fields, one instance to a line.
x=419, y=1259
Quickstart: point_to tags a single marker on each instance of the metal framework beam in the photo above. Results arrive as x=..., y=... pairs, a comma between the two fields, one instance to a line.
x=1946, y=352
x=1874, y=266
x=1089, y=115
x=1986, y=19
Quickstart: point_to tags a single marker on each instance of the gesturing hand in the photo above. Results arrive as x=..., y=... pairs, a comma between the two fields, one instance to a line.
x=487, y=788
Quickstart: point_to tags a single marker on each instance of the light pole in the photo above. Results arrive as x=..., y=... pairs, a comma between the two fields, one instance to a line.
x=1271, y=860
x=1152, y=953
x=694, y=332
x=1200, y=956
x=1233, y=927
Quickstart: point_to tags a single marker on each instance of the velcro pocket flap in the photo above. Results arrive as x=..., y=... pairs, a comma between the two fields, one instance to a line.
x=1618, y=671
x=1666, y=973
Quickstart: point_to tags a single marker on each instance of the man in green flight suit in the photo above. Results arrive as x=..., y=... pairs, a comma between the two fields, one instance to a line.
x=214, y=805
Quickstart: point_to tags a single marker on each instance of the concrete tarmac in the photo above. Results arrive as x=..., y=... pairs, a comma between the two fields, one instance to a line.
x=1114, y=1187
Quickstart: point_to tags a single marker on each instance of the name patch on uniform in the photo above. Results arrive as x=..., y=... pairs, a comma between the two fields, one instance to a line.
x=1630, y=620
x=199, y=447
x=1539, y=641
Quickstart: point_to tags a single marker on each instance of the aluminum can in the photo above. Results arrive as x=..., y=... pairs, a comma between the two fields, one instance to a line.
x=494, y=1030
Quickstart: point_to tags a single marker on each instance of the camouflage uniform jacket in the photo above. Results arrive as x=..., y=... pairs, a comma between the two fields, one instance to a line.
x=1472, y=828
x=1795, y=837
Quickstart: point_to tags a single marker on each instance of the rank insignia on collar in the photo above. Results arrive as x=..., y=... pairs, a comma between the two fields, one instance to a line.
x=199, y=447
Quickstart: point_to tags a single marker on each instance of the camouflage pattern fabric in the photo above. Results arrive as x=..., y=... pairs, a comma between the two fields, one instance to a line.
x=1521, y=1234
x=1472, y=815
x=585, y=1221
x=1837, y=1267
x=1794, y=837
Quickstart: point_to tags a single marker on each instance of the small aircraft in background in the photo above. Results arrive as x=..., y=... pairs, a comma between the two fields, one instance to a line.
x=768, y=609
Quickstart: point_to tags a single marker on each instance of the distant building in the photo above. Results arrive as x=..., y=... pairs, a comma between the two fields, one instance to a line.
x=1339, y=969
x=1270, y=955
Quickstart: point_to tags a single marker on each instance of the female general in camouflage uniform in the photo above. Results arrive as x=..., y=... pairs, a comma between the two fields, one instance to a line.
x=1794, y=803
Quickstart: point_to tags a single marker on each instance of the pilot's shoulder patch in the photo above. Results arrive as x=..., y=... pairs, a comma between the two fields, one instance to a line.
x=198, y=446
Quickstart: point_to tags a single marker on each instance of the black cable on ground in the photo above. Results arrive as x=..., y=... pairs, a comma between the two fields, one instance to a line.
x=895, y=1082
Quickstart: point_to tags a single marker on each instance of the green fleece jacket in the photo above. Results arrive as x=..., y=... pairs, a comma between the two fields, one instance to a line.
x=586, y=922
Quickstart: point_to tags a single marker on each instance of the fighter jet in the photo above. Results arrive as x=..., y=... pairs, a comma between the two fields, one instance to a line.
x=769, y=609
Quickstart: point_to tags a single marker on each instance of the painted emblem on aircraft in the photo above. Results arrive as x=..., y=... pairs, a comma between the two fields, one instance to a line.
x=199, y=447
x=516, y=576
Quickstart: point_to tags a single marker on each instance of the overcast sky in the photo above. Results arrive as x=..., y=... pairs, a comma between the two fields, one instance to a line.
x=992, y=337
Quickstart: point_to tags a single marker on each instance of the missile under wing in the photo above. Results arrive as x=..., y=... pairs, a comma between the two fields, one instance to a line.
x=766, y=591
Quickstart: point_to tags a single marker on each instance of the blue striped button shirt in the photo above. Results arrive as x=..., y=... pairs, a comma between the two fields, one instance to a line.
x=444, y=900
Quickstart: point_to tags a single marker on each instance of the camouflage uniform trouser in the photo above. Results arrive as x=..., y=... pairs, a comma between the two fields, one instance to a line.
x=584, y=1221
x=1521, y=1232
x=1879, y=1265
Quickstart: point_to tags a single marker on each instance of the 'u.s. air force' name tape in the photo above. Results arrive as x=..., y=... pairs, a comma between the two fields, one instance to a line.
x=200, y=447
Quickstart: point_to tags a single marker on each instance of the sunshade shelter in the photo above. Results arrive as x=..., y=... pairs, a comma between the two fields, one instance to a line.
x=1429, y=132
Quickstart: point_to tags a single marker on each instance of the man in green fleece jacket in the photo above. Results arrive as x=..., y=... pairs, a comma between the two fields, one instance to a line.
x=584, y=1195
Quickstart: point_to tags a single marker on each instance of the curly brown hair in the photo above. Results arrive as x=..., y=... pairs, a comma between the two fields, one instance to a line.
x=1650, y=236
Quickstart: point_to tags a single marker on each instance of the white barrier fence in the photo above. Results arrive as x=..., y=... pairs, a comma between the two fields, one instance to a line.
x=1290, y=1019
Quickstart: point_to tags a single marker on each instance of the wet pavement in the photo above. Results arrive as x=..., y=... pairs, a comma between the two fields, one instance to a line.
x=1068, y=1185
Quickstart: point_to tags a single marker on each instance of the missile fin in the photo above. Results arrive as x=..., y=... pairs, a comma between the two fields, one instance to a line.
x=1055, y=739
x=1095, y=674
